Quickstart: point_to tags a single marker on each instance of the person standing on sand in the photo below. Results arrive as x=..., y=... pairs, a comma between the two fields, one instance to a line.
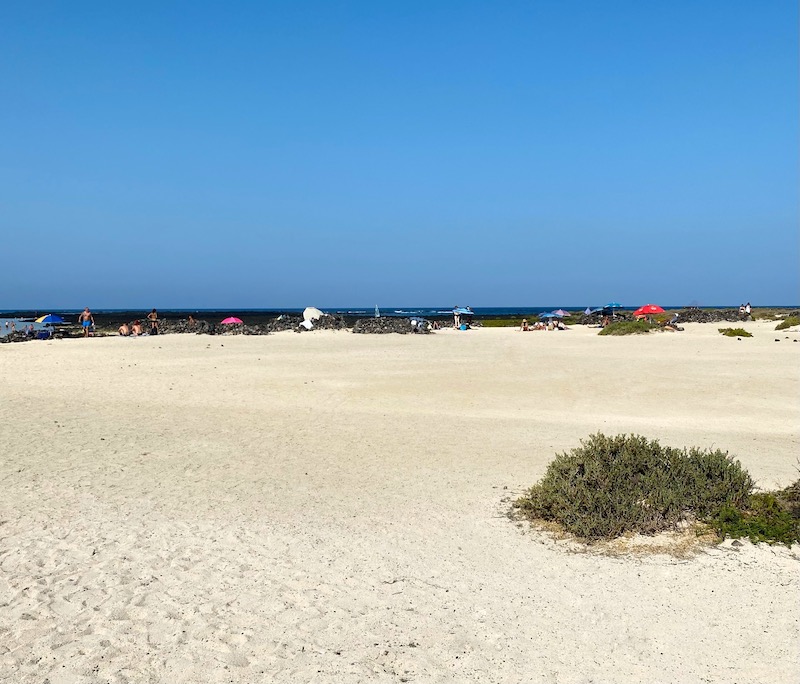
x=153, y=318
x=86, y=320
x=748, y=309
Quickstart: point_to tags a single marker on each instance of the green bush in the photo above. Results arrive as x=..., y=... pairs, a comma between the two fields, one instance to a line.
x=789, y=498
x=504, y=322
x=612, y=485
x=628, y=327
x=735, y=332
x=764, y=518
x=789, y=322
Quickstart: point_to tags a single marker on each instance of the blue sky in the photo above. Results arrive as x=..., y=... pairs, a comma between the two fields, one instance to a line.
x=268, y=154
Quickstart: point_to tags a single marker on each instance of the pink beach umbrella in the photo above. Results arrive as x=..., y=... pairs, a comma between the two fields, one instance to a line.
x=230, y=320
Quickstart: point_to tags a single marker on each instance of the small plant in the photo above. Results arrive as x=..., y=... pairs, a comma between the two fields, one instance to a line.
x=735, y=332
x=628, y=328
x=762, y=519
x=788, y=322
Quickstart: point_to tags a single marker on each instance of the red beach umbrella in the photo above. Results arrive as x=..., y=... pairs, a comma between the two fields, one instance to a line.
x=230, y=320
x=648, y=309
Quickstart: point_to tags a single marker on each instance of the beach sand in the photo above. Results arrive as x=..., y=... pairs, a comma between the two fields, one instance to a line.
x=330, y=507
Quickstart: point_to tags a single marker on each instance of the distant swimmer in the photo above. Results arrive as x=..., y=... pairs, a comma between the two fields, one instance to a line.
x=86, y=320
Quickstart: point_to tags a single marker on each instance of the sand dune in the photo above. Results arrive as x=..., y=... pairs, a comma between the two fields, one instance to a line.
x=328, y=507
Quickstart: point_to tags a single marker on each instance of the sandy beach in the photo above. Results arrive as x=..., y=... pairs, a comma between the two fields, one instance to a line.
x=330, y=507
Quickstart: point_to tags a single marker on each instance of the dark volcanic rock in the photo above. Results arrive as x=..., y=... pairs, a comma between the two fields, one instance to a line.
x=181, y=325
x=285, y=322
x=16, y=336
x=328, y=322
x=687, y=315
x=695, y=315
x=596, y=317
x=387, y=324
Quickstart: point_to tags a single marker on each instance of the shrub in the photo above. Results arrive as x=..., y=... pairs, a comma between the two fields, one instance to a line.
x=789, y=499
x=504, y=322
x=628, y=328
x=735, y=332
x=612, y=485
x=789, y=322
x=764, y=518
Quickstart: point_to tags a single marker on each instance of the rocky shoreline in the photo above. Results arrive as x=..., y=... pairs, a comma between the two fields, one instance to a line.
x=107, y=325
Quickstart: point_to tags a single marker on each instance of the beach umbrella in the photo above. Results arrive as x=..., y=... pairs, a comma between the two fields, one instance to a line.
x=49, y=318
x=230, y=320
x=312, y=313
x=648, y=309
x=548, y=315
x=613, y=305
x=561, y=312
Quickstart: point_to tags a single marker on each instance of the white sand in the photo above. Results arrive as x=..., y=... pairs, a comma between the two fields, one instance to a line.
x=328, y=507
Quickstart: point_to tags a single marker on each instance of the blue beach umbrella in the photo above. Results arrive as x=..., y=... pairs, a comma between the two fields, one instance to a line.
x=613, y=305
x=548, y=315
x=49, y=318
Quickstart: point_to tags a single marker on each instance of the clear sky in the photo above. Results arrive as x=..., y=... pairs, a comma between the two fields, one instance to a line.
x=282, y=154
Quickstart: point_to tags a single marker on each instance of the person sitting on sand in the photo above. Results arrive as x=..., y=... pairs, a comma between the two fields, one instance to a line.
x=524, y=326
x=124, y=330
x=191, y=322
x=560, y=325
x=86, y=320
x=136, y=328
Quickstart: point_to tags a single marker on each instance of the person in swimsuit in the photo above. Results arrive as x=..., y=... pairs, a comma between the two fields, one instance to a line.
x=86, y=320
x=136, y=328
x=124, y=330
x=153, y=318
